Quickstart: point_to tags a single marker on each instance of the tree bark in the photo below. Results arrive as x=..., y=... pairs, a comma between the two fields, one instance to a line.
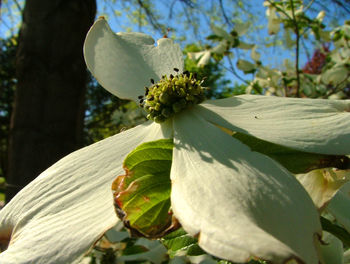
x=47, y=121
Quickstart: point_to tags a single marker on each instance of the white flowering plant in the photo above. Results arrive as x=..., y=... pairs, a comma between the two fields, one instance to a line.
x=220, y=173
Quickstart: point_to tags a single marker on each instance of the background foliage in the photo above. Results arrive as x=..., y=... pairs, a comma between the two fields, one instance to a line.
x=284, y=48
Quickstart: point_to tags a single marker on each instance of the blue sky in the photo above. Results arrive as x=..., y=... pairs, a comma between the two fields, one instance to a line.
x=274, y=56
x=270, y=56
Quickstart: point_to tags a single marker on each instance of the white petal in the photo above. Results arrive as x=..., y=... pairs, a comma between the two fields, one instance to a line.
x=220, y=48
x=273, y=21
x=204, y=59
x=339, y=206
x=245, y=66
x=202, y=56
x=322, y=184
x=62, y=213
x=196, y=55
x=240, y=203
x=222, y=33
x=312, y=125
x=124, y=63
x=242, y=28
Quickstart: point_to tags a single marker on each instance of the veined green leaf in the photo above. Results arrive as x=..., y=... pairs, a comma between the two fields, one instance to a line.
x=179, y=240
x=181, y=243
x=294, y=160
x=142, y=195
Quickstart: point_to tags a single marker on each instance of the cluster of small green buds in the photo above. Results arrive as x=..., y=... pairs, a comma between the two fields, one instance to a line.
x=171, y=95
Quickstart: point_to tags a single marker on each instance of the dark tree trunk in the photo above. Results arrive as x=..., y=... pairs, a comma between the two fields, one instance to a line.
x=47, y=121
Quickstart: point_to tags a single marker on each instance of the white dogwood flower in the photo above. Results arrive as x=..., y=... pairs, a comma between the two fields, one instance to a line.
x=241, y=204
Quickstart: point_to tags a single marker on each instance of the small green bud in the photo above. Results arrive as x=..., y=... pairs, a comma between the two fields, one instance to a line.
x=166, y=112
x=177, y=107
x=157, y=107
x=159, y=119
x=164, y=98
x=171, y=95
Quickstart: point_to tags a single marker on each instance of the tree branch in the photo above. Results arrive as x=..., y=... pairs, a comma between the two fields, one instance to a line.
x=152, y=19
x=297, y=42
x=233, y=71
x=336, y=89
x=224, y=13
x=17, y=5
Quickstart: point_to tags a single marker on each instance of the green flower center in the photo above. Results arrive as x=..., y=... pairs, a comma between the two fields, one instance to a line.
x=171, y=95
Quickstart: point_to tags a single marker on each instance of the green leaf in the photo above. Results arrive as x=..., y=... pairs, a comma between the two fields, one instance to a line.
x=336, y=230
x=331, y=249
x=179, y=240
x=179, y=243
x=294, y=160
x=142, y=195
x=136, y=249
x=214, y=37
x=2, y=188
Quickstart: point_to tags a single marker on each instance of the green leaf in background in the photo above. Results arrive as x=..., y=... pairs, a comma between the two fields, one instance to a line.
x=336, y=230
x=142, y=195
x=180, y=241
x=2, y=191
x=180, y=244
x=143, y=251
x=294, y=160
x=136, y=249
